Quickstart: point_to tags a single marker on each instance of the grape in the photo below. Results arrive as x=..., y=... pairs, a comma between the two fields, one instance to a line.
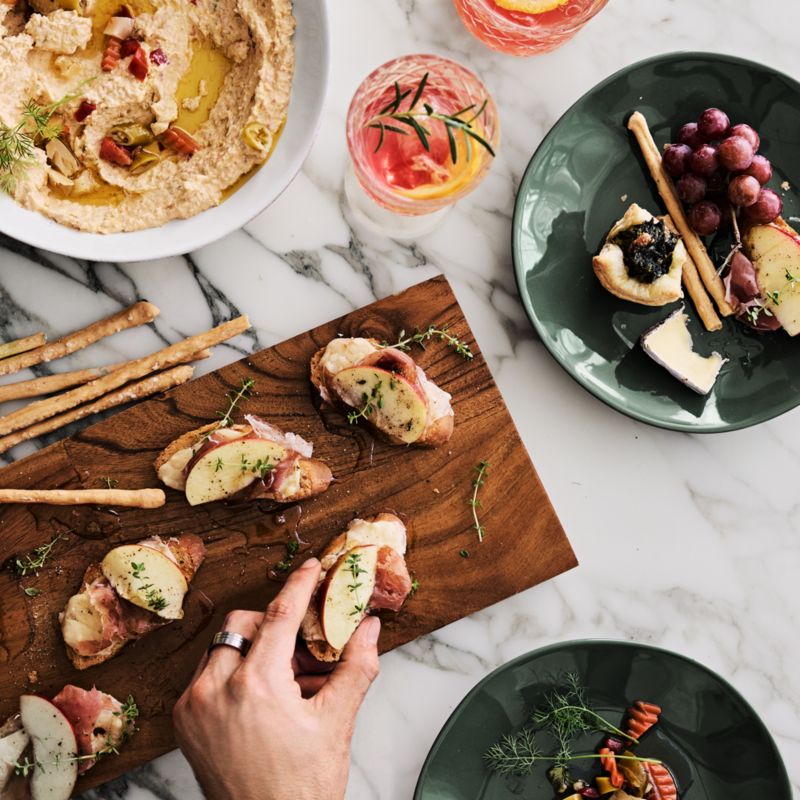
x=705, y=218
x=691, y=188
x=676, y=159
x=736, y=153
x=743, y=190
x=746, y=132
x=689, y=134
x=713, y=124
x=760, y=169
x=718, y=182
x=767, y=208
x=705, y=160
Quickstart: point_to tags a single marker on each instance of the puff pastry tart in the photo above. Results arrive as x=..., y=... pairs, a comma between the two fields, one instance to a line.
x=642, y=259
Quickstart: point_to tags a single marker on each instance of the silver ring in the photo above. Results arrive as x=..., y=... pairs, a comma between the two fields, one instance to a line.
x=230, y=639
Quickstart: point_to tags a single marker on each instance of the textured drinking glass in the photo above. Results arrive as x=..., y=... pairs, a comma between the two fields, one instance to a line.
x=401, y=181
x=526, y=34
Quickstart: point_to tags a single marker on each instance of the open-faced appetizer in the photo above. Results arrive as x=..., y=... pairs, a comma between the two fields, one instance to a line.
x=363, y=570
x=135, y=589
x=384, y=387
x=641, y=259
x=255, y=461
x=49, y=743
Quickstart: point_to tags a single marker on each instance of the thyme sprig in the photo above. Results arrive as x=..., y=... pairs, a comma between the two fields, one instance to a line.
x=483, y=471
x=37, y=558
x=155, y=599
x=459, y=122
x=352, y=562
x=243, y=393
x=18, y=142
x=369, y=402
x=404, y=341
x=292, y=548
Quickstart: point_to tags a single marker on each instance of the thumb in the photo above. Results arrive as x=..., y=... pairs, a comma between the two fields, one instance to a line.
x=349, y=682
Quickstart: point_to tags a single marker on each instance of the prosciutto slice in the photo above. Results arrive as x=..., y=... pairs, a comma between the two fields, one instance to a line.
x=95, y=716
x=392, y=581
x=291, y=441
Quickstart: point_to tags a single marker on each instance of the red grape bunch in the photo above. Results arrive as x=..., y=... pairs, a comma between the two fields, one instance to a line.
x=716, y=166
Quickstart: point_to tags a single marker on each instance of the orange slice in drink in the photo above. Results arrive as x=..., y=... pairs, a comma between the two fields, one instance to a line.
x=530, y=6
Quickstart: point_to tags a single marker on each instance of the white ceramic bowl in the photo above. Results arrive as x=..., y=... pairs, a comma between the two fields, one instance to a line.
x=312, y=48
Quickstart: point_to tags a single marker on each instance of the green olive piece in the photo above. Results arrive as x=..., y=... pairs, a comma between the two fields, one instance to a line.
x=131, y=135
x=257, y=135
x=143, y=161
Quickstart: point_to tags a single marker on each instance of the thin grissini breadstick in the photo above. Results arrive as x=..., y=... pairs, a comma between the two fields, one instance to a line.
x=8, y=349
x=50, y=384
x=168, y=357
x=131, y=317
x=637, y=124
x=691, y=280
x=129, y=498
x=135, y=391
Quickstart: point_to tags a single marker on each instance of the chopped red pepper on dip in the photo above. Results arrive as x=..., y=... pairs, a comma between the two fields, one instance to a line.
x=158, y=57
x=84, y=110
x=113, y=153
x=129, y=47
x=180, y=141
x=138, y=66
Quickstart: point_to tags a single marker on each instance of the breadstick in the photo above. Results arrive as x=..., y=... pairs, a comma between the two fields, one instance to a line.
x=130, y=498
x=22, y=345
x=137, y=314
x=135, y=391
x=169, y=356
x=50, y=384
x=637, y=124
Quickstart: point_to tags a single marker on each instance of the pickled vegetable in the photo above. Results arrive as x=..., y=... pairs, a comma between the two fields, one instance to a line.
x=131, y=135
x=61, y=157
x=257, y=136
x=145, y=159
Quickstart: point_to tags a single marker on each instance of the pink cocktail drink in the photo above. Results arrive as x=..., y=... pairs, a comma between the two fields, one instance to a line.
x=546, y=25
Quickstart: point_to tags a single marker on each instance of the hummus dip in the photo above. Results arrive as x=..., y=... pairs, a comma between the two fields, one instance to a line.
x=143, y=112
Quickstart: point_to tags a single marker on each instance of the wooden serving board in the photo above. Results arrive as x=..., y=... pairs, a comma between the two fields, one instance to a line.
x=524, y=542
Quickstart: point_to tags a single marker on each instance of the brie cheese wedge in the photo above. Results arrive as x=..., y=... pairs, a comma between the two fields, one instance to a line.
x=670, y=344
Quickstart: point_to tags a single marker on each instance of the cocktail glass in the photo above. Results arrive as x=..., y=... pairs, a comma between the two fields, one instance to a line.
x=422, y=131
x=527, y=33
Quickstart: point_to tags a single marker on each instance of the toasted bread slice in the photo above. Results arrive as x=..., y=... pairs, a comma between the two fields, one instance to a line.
x=383, y=529
x=438, y=430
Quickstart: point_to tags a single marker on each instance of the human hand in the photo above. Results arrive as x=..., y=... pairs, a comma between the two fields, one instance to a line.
x=259, y=727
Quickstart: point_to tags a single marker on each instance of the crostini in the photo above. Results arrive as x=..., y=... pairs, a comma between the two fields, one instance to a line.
x=253, y=461
x=49, y=743
x=363, y=570
x=134, y=590
x=383, y=387
x=642, y=259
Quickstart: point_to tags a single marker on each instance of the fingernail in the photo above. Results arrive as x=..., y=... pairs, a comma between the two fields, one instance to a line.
x=310, y=564
x=373, y=629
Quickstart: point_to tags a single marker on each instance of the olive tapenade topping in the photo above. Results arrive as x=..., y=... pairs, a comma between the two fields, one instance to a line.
x=646, y=250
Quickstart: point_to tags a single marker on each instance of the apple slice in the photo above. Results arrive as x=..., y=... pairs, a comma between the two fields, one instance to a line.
x=54, y=748
x=774, y=250
x=388, y=401
x=230, y=467
x=146, y=578
x=12, y=747
x=346, y=592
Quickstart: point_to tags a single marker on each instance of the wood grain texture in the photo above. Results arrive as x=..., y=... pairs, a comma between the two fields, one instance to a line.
x=524, y=542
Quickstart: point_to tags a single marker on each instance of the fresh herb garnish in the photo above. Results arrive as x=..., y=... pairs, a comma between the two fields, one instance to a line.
x=414, y=588
x=18, y=142
x=263, y=467
x=37, y=558
x=32, y=591
x=391, y=118
x=155, y=599
x=565, y=714
x=464, y=553
x=419, y=337
x=110, y=483
x=369, y=401
x=292, y=547
x=483, y=471
x=242, y=393
x=352, y=563
x=218, y=465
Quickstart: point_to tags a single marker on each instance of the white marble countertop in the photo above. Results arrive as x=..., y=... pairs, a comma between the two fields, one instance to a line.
x=712, y=575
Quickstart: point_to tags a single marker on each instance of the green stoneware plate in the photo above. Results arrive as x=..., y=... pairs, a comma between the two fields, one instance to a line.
x=572, y=193
x=712, y=740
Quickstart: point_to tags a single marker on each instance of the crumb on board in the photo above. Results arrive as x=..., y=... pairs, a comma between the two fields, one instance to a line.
x=786, y=186
x=436, y=491
x=623, y=197
x=33, y=676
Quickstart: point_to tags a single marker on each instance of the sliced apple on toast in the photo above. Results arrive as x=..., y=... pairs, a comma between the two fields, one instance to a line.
x=147, y=578
x=386, y=399
x=55, y=749
x=12, y=746
x=774, y=250
x=345, y=593
x=230, y=467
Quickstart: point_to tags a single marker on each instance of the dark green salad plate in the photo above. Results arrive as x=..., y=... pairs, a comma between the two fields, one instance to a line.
x=710, y=738
x=584, y=175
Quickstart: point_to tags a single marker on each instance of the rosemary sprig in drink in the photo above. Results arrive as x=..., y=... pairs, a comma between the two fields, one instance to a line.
x=391, y=117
